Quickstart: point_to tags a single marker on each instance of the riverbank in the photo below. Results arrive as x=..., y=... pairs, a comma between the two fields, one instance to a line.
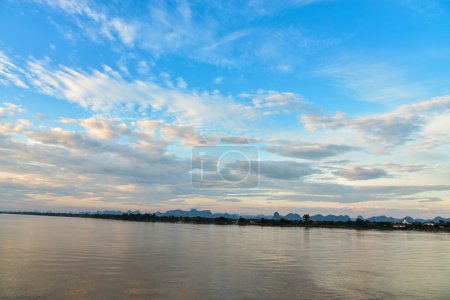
x=357, y=224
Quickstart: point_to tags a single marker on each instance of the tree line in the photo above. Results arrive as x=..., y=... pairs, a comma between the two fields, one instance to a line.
x=305, y=222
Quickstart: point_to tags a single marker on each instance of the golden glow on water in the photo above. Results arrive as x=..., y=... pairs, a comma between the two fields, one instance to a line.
x=71, y=258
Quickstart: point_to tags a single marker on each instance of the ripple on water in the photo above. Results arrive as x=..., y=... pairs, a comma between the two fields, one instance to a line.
x=54, y=258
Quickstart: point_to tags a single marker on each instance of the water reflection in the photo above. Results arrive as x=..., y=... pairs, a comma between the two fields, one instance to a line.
x=49, y=257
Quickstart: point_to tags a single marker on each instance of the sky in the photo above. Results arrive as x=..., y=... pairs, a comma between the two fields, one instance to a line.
x=251, y=107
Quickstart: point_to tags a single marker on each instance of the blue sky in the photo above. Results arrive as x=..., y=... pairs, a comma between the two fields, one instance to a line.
x=347, y=103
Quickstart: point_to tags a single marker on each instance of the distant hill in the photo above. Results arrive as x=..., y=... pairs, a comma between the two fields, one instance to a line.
x=276, y=216
x=195, y=213
x=293, y=217
x=384, y=219
x=334, y=218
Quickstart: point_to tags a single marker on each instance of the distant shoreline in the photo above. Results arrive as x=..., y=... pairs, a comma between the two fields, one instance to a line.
x=152, y=218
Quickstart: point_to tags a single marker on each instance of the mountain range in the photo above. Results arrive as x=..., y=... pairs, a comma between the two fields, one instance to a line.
x=276, y=216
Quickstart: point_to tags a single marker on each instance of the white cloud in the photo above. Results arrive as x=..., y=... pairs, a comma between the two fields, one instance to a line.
x=99, y=127
x=436, y=133
x=274, y=102
x=10, y=109
x=143, y=67
x=179, y=28
x=110, y=27
x=148, y=128
x=218, y=80
x=262, y=7
x=187, y=134
x=394, y=128
x=86, y=167
x=181, y=83
x=107, y=92
x=127, y=32
x=9, y=74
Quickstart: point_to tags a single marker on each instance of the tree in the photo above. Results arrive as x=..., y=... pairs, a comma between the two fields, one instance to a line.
x=306, y=218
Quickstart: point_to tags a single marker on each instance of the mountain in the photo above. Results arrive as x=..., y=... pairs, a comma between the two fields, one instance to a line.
x=384, y=219
x=438, y=219
x=290, y=216
x=108, y=212
x=333, y=218
x=195, y=213
x=409, y=219
x=226, y=215
x=297, y=217
x=293, y=217
x=182, y=213
x=276, y=216
x=257, y=217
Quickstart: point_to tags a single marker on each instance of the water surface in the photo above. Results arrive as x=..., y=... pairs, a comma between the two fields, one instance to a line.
x=74, y=258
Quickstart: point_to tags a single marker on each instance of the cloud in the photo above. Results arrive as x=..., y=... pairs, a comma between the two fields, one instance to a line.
x=238, y=174
x=309, y=151
x=107, y=92
x=361, y=173
x=127, y=188
x=429, y=199
x=232, y=200
x=86, y=13
x=408, y=168
x=237, y=140
x=148, y=128
x=262, y=7
x=66, y=163
x=285, y=170
x=164, y=28
x=180, y=28
x=435, y=133
x=9, y=74
x=99, y=127
x=339, y=193
x=426, y=8
x=389, y=129
x=274, y=102
x=372, y=81
x=356, y=171
x=132, y=145
x=10, y=109
x=58, y=167
x=185, y=133
x=285, y=49
x=218, y=80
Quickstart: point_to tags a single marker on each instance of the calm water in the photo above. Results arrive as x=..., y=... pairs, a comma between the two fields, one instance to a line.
x=70, y=258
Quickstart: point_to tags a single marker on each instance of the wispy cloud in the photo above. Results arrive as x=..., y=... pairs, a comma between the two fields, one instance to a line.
x=87, y=14
x=371, y=80
x=177, y=28
x=107, y=92
x=274, y=102
x=9, y=74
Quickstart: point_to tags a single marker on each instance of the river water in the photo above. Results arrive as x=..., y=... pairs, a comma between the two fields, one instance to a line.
x=75, y=258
